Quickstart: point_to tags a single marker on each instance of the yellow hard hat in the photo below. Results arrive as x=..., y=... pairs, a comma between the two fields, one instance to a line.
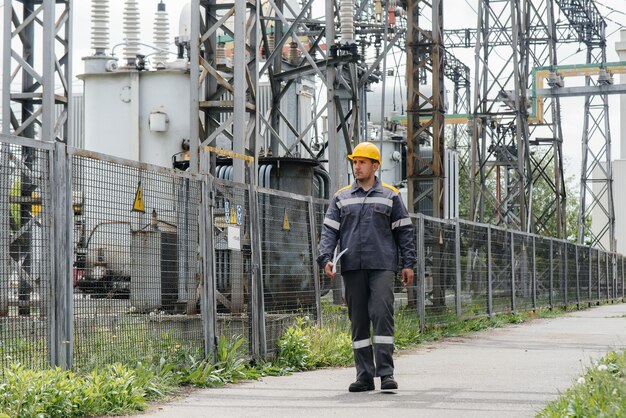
x=366, y=150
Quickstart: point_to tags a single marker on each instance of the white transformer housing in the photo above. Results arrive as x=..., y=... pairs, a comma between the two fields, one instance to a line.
x=137, y=115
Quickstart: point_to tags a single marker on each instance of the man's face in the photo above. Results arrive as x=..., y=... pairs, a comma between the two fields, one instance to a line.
x=364, y=168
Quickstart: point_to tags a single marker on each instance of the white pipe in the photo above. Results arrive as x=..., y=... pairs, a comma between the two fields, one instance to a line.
x=131, y=31
x=99, y=26
x=161, y=35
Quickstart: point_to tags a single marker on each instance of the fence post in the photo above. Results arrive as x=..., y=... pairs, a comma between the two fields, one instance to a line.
x=316, y=271
x=207, y=260
x=513, y=272
x=565, y=276
x=489, y=274
x=608, y=278
x=577, y=279
x=599, y=278
x=457, y=249
x=622, y=278
x=590, y=296
x=259, y=343
x=421, y=285
x=622, y=257
x=61, y=301
x=534, y=279
x=4, y=229
x=551, y=258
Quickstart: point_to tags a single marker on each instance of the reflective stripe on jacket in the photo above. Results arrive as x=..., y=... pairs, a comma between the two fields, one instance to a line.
x=372, y=225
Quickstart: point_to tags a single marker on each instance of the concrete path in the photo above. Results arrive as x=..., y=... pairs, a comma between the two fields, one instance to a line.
x=506, y=372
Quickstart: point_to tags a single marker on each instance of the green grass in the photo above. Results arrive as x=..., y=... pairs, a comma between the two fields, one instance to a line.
x=600, y=392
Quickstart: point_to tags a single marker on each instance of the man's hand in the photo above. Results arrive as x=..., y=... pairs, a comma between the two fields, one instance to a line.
x=407, y=277
x=328, y=269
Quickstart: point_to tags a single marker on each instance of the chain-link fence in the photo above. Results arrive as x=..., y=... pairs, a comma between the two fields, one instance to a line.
x=105, y=260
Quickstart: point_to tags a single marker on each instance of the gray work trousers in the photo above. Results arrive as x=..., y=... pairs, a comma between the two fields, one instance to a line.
x=370, y=299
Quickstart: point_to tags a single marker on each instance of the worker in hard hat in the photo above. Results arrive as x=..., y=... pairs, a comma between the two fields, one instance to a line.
x=373, y=227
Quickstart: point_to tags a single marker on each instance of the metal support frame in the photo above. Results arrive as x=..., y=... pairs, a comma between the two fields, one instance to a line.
x=596, y=191
x=501, y=138
x=425, y=63
x=37, y=48
x=228, y=103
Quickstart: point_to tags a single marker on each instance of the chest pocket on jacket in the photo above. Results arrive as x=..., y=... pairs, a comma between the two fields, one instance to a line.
x=380, y=209
x=344, y=211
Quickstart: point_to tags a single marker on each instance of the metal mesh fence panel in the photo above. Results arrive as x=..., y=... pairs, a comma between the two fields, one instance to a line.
x=603, y=277
x=440, y=259
x=233, y=254
x=330, y=291
x=288, y=278
x=583, y=274
x=501, y=270
x=572, y=274
x=612, y=274
x=474, y=270
x=135, y=269
x=543, y=272
x=595, y=275
x=25, y=265
x=523, y=271
x=619, y=280
x=559, y=277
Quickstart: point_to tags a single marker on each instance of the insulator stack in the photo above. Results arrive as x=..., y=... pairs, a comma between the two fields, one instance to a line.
x=346, y=20
x=99, y=26
x=161, y=35
x=131, y=31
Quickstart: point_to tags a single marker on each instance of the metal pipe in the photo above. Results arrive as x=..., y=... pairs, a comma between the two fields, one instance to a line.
x=326, y=177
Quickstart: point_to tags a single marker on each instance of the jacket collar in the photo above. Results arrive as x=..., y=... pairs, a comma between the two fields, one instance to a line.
x=376, y=187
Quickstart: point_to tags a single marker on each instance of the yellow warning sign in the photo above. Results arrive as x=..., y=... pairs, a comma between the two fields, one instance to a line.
x=138, y=205
x=286, y=226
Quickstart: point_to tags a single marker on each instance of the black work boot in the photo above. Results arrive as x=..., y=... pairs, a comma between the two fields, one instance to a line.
x=388, y=383
x=362, y=385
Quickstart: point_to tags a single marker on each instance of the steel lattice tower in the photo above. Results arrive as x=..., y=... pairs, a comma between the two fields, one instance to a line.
x=596, y=178
x=425, y=63
x=515, y=143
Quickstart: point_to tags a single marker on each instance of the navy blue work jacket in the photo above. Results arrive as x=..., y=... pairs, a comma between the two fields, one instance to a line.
x=373, y=225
